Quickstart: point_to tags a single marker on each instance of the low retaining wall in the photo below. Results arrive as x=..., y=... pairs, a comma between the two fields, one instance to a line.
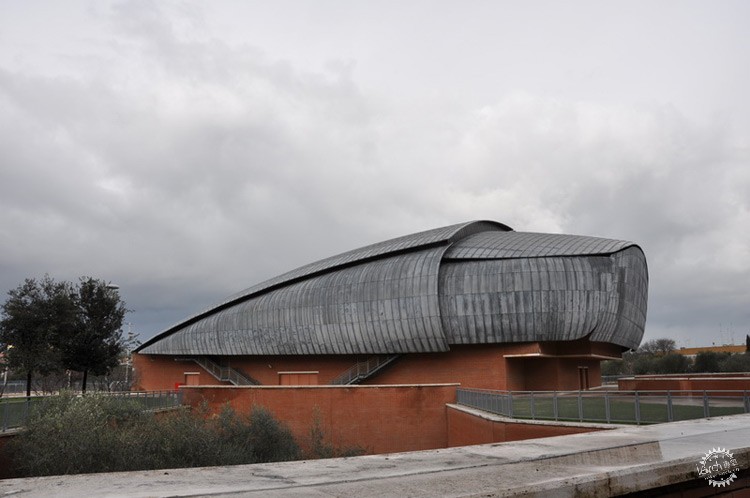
x=467, y=426
x=684, y=382
x=6, y=465
x=656, y=460
x=379, y=419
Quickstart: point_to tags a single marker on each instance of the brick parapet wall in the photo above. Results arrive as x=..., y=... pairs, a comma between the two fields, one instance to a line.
x=380, y=419
x=708, y=383
x=467, y=426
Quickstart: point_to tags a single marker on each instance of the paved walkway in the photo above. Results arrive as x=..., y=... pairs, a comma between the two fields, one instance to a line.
x=595, y=464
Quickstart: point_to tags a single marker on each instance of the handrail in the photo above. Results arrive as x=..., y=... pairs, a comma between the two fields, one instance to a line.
x=363, y=369
x=225, y=374
x=639, y=407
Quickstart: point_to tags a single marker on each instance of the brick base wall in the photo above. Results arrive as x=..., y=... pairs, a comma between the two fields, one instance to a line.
x=381, y=419
x=477, y=366
x=711, y=384
x=465, y=429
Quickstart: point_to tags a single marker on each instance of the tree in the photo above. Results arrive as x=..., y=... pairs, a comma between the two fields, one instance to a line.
x=708, y=362
x=658, y=346
x=670, y=364
x=611, y=367
x=644, y=364
x=738, y=362
x=95, y=343
x=35, y=313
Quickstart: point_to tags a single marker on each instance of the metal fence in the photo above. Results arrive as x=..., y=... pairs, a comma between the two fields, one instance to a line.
x=41, y=388
x=15, y=411
x=621, y=407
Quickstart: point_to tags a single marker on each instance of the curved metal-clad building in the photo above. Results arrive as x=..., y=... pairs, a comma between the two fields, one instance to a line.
x=473, y=283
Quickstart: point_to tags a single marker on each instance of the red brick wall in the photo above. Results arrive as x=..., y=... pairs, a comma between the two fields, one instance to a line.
x=465, y=429
x=478, y=366
x=265, y=369
x=160, y=373
x=685, y=382
x=382, y=419
x=550, y=374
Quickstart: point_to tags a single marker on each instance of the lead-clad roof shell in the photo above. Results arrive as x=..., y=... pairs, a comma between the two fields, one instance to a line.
x=475, y=282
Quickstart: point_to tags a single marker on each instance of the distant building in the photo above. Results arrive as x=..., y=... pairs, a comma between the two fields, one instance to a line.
x=475, y=303
x=726, y=348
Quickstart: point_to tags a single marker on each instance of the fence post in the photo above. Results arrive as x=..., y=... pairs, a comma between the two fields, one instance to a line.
x=607, y=410
x=5, y=416
x=555, y=409
x=580, y=407
x=747, y=402
x=637, y=409
x=706, y=411
x=670, y=412
x=510, y=404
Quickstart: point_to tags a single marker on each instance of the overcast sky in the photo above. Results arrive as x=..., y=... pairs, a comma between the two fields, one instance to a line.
x=188, y=150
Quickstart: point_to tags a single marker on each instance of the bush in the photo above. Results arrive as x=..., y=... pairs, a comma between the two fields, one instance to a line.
x=644, y=364
x=709, y=362
x=738, y=362
x=270, y=441
x=96, y=433
x=612, y=367
x=69, y=434
x=319, y=448
x=670, y=364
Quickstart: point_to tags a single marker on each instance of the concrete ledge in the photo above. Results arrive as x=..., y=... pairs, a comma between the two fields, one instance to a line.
x=508, y=420
x=606, y=463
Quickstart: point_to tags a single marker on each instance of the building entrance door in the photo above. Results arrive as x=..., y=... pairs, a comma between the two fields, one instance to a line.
x=192, y=378
x=583, y=378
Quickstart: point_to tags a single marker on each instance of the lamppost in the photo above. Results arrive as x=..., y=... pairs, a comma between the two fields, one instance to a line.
x=129, y=357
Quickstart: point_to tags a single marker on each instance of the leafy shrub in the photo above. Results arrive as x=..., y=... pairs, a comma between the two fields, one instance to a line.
x=320, y=448
x=671, y=363
x=738, y=362
x=708, y=362
x=612, y=367
x=96, y=433
x=644, y=364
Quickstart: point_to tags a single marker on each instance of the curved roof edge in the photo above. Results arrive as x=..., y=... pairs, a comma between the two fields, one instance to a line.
x=491, y=245
x=399, y=245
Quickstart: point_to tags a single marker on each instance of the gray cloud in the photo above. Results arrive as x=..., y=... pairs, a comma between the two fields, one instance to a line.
x=185, y=167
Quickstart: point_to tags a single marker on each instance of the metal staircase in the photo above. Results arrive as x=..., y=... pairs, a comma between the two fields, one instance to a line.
x=225, y=373
x=364, y=369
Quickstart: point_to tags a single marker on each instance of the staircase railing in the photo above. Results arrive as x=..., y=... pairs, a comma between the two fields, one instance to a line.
x=226, y=373
x=364, y=369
